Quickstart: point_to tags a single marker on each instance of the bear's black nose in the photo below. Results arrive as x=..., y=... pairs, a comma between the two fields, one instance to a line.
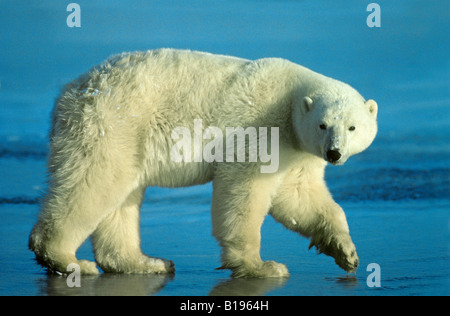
x=333, y=155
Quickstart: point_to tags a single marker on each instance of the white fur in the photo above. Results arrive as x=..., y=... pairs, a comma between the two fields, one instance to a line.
x=111, y=137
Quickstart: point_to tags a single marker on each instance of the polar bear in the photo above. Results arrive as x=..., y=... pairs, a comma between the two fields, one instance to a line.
x=111, y=138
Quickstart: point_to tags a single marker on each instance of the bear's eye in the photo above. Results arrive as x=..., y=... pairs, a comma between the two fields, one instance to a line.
x=323, y=126
x=351, y=128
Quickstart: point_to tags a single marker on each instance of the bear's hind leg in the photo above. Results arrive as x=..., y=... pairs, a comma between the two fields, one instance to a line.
x=68, y=218
x=62, y=227
x=116, y=241
x=84, y=188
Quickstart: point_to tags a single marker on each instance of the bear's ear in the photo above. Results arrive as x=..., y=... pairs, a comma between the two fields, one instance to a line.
x=373, y=107
x=307, y=104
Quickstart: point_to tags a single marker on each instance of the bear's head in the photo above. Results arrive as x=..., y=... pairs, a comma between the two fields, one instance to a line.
x=334, y=124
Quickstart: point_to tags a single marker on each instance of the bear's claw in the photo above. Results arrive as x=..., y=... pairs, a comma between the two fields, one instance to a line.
x=342, y=249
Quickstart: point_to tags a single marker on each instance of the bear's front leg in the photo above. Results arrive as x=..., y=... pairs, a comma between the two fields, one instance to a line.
x=336, y=242
x=240, y=203
x=304, y=205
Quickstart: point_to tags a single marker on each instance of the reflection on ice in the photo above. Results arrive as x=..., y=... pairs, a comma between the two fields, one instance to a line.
x=247, y=287
x=107, y=284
